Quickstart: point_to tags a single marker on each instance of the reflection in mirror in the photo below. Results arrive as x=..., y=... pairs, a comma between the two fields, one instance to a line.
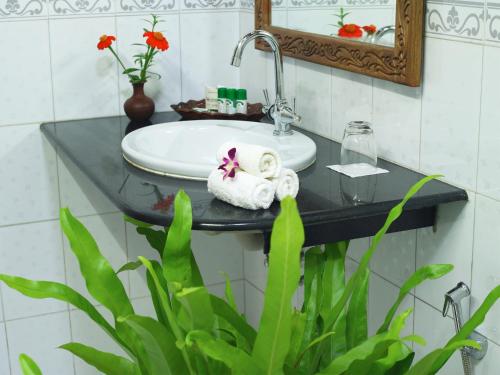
x=368, y=21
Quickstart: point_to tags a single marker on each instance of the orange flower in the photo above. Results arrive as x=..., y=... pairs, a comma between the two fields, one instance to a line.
x=156, y=40
x=351, y=30
x=105, y=41
x=370, y=29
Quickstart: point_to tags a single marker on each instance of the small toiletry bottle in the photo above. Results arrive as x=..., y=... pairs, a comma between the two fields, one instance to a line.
x=211, y=99
x=221, y=99
x=241, y=101
x=231, y=101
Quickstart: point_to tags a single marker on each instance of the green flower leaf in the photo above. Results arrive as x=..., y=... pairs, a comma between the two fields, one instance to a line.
x=28, y=366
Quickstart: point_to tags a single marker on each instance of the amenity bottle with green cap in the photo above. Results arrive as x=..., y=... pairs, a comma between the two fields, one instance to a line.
x=241, y=101
x=221, y=99
x=231, y=101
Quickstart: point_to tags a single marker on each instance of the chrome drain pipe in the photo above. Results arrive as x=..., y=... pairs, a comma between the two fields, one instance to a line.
x=454, y=299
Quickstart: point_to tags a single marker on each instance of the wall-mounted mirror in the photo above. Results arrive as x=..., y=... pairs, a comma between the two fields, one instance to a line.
x=380, y=38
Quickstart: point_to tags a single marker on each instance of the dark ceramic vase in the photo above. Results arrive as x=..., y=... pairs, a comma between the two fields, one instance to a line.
x=139, y=107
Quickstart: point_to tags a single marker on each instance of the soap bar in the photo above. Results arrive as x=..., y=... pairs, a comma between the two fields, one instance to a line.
x=357, y=170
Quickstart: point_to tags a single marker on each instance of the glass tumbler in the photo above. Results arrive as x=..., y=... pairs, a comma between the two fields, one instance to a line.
x=358, y=144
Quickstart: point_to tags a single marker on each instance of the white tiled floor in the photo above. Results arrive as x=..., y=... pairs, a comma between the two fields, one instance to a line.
x=109, y=232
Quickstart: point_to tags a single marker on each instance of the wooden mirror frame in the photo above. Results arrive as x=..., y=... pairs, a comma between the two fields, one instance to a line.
x=401, y=63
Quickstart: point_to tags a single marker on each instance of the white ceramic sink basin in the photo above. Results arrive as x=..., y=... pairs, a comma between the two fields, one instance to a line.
x=188, y=149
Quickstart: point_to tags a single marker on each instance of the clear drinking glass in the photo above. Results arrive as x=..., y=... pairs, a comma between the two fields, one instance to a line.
x=358, y=145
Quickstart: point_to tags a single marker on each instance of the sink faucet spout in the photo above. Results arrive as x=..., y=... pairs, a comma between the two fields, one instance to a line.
x=283, y=115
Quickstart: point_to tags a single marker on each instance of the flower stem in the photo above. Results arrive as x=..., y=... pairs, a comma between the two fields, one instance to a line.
x=117, y=57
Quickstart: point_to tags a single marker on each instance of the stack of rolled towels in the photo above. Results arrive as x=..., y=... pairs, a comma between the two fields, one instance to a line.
x=259, y=178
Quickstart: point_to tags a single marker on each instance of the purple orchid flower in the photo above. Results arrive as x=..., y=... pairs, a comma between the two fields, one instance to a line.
x=230, y=164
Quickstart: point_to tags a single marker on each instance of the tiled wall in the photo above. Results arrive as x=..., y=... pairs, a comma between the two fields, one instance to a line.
x=451, y=126
x=448, y=125
x=51, y=69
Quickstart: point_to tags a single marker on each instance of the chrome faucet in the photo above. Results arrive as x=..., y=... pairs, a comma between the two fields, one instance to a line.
x=283, y=115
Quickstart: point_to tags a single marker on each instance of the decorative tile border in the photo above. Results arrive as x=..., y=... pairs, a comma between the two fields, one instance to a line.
x=462, y=19
x=79, y=7
x=492, y=33
x=145, y=5
x=23, y=8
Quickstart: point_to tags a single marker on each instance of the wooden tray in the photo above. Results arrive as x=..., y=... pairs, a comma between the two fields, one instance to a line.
x=185, y=109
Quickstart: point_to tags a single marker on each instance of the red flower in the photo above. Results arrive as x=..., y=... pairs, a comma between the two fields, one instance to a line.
x=370, y=29
x=351, y=30
x=164, y=204
x=156, y=40
x=105, y=41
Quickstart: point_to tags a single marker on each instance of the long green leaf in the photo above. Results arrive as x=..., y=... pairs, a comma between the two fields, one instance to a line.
x=130, y=266
x=228, y=293
x=427, y=365
x=333, y=285
x=313, y=266
x=398, y=360
x=353, y=283
x=429, y=272
x=237, y=360
x=28, y=366
x=298, y=327
x=155, y=238
x=359, y=360
x=61, y=292
x=273, y=338
x=196, y=312
x=107, y=363
x=177, y=253
x=221, y=308
x=162, y=355
x=137, y=223
x=165, y=303
x=102, y=282
x=155, y=295
x=357, y=313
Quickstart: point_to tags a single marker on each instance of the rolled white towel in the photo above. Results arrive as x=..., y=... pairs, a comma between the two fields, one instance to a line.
x=257, y=160
x=244, y=190
x=287, y=184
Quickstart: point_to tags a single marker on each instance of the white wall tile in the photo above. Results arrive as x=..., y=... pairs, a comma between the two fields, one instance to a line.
x=489, y=364
x=1, y=305
x=382, y=296
x=33, y=251
x=289, y=75
x=436, y=330
x=486, y=263
x=357, y=248
x=144, y=306
x=255, y=268
x=216, y=254
x=26, y=94
x=451, y=244
x=450, y=110
x=85, y=331
x=138, y=246
x=396, y=122
x=207, y=42
x=85, y=78
x=79, y=193
x=40, y=337
x=28, y=170
x=4, y=354
x=395, y=257
x=109, y=232
x=164, y=91
x=254, y=302
x=351, y=100
x=489, y=158
x=253, y=70
x=314, y=91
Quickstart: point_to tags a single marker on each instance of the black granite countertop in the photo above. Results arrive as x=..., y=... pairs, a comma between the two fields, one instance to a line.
x=94, y=145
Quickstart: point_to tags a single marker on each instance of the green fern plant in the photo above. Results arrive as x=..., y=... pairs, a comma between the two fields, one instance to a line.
x=198, y=333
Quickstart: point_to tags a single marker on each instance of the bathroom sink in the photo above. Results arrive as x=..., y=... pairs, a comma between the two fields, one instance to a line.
x=187, y=149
